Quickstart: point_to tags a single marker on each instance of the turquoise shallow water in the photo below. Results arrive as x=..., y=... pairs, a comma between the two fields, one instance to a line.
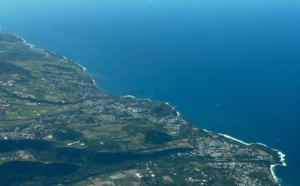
x=227, y=66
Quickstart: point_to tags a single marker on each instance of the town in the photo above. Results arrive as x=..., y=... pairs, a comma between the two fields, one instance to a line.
x=53, y=115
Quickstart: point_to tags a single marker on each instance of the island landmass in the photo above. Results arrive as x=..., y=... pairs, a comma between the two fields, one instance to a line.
x=58, y=128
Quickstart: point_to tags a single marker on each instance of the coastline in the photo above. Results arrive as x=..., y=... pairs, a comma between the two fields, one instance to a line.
x=178, y=114
x=84, y=69
x=272, y=166
x=272, y=169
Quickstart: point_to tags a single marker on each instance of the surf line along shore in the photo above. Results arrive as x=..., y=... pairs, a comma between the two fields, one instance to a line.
x=280, y=154
x=272, y=167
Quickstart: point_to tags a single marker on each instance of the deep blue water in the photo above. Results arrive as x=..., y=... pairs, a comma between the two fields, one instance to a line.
x=227, y=66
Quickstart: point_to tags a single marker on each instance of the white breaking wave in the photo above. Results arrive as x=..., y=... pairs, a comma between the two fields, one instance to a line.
x=178, y=114
x=272, y=167
x=128, y=96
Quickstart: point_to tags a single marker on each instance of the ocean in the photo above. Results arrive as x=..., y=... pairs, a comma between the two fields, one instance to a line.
x=227, y=66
